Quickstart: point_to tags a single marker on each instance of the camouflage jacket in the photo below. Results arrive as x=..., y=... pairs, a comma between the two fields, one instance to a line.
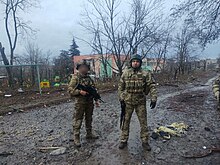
x=76, y=79
x=135, y=85
x=216, y=85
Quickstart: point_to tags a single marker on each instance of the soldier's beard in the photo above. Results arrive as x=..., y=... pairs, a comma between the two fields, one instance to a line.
x=136, y=67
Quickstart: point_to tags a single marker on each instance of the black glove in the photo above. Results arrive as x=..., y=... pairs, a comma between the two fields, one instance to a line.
x=153, y=104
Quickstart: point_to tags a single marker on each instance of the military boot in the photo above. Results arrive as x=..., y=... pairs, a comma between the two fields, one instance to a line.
x=77, y=141
x=91, y=135
x=146, y=146
x=122, y=145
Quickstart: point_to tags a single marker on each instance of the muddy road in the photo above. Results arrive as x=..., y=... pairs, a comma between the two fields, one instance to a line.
x=22, y=135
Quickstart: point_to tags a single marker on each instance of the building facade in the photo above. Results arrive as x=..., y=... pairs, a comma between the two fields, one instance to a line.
x=98, y=63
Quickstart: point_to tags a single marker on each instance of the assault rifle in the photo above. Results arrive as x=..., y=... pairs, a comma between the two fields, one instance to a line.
x=91, y=91
x=122, y=118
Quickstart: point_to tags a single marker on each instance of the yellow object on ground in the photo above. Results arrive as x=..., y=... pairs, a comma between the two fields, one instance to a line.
x=175, y=129
x=45, y=84
x=180, y=127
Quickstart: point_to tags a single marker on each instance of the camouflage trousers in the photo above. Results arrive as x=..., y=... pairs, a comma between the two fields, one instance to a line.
x=142, y=117
x=83, y=109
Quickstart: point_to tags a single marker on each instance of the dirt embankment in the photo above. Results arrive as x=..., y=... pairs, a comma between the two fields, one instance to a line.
x=29, y=99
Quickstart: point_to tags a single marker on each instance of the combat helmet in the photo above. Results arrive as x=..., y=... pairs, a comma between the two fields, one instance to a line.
x=136, y=57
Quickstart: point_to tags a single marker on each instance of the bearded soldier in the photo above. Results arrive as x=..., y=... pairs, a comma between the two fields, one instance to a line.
x=134, y=85
x=83, y=102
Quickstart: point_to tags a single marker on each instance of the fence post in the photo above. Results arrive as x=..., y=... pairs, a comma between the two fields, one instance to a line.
x=38, y=79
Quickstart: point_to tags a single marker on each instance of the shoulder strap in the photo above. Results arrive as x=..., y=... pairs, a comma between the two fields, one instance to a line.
x=76, y=75
x=93, y=82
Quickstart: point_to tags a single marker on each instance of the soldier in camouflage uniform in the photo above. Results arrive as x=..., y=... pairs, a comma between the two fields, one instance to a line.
x=134, y=85
x=216, y=90
x=83, y=102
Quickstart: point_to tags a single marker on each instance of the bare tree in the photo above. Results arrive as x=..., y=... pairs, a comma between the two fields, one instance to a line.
x=185, y=44
x=122, y=33
x=204, y=15
x=160, y=51
x=143, y=25
x=6, y=62
x=161, y=45
x=110, y=27
x=32, y=56
x=15, y=26
x=98, y=45
x=46, y=69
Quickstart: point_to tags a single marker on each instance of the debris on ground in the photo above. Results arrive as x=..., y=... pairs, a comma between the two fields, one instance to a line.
x=52, y=150
x=46, y=149
x=58, y=151
x=201, y=155
x=20, y=90
x=5, y=154
x=8, y=95
x=175, y=129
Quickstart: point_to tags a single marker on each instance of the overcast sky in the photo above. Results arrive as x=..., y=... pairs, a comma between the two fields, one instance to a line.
x=57, y=21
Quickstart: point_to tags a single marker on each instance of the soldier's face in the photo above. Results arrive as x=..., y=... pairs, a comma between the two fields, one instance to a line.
x=83, y=69
x=135, y=63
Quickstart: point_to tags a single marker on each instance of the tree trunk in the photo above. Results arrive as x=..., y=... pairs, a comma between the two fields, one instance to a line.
x=21, y=77
x=204, y=67
x=175, y=74
x=104, y=63
x=32, y=75
x=105, y=70
x=6, y=62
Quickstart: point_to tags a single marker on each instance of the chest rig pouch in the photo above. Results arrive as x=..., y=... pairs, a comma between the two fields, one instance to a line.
x=135, y=82
x=85, y=81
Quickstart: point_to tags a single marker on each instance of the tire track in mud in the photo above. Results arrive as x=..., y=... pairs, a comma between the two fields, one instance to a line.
x=166, y=96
